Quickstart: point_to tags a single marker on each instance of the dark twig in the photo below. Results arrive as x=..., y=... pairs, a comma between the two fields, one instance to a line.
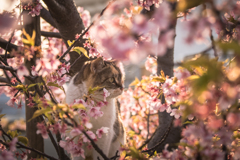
x=116, y=156
x=7, y=68
x=4, y=43
x=62, y=155
x=8, y=78
x=47, y=17
x=53, y=142
x=89, y=138
x=213, y=44
x=51, y=34
x=48, y=91
x=25, y=147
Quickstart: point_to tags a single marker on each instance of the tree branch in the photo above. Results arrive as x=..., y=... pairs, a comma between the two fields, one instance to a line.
x=89, y=138
x=7, y=68
x=4, y=43
x=4, y=80
x=23, y=146
x=47, y=17
x=86, y=30
x=51, y=34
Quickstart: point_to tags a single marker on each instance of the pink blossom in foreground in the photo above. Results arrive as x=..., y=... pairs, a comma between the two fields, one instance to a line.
x=68, y=145
x=75, y=132
x=105, y=94
x=162, y=16
x=91, y=135
x=6, y=155
x=42, y=130
x=22, y=71
x=176, y=113
x=101, y=131
x=95, y=112
x=34, y=8
x=12, y=102
x=151, y=65
x=12, y=144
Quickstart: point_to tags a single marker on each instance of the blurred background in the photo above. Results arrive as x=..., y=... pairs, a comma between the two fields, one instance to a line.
x=181, y=50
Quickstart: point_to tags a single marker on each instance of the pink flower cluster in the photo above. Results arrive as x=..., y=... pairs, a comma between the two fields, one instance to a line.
x=130, y=36
x=33, y=8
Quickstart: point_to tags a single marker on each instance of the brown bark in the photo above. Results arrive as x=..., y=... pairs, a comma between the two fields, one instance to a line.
x=69, y=23
x=165, y=63
x=35, y=140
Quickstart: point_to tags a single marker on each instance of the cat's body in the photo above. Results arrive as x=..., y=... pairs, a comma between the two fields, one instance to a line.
x=103, y=74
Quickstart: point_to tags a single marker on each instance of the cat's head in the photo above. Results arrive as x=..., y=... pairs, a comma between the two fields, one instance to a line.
x=101, y=73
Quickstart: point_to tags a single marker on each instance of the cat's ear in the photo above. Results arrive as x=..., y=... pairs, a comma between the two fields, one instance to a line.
x=97, y=65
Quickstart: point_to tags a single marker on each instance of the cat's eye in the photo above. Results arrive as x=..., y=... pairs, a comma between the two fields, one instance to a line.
x=111, y=79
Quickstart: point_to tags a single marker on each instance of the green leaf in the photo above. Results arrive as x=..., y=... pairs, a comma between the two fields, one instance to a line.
x=135, y=82
x=31, y=85
x=70, y=43
x=12, y=133
x=20, y=86
x=183, y=5
x=188, y=122
x=159, y=79
x=55, y=85
x=23, y=140
x=40, y=112
x=1, y=115
x=80, y=50
x=92, y=90
x=78, y=106
x=234, y=46
x=29, y=40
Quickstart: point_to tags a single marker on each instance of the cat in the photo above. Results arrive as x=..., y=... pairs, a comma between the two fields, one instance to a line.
x=101, y=73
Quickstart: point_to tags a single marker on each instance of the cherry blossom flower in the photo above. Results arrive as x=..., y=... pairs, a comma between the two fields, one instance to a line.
x=12, y=144
x=6, y=155
x=42, y=130
x=12, y=102
x=91, y=135
x=105, y=94
x=162, y=16
x=101, y=131
x=95, y=112
x=68, y=144
x=22, y=71
x=151, y=65
x=75, y=132
x=78, y=152
x=176, y=113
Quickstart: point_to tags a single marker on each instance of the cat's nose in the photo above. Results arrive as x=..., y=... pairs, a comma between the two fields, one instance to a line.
x=121, y=88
